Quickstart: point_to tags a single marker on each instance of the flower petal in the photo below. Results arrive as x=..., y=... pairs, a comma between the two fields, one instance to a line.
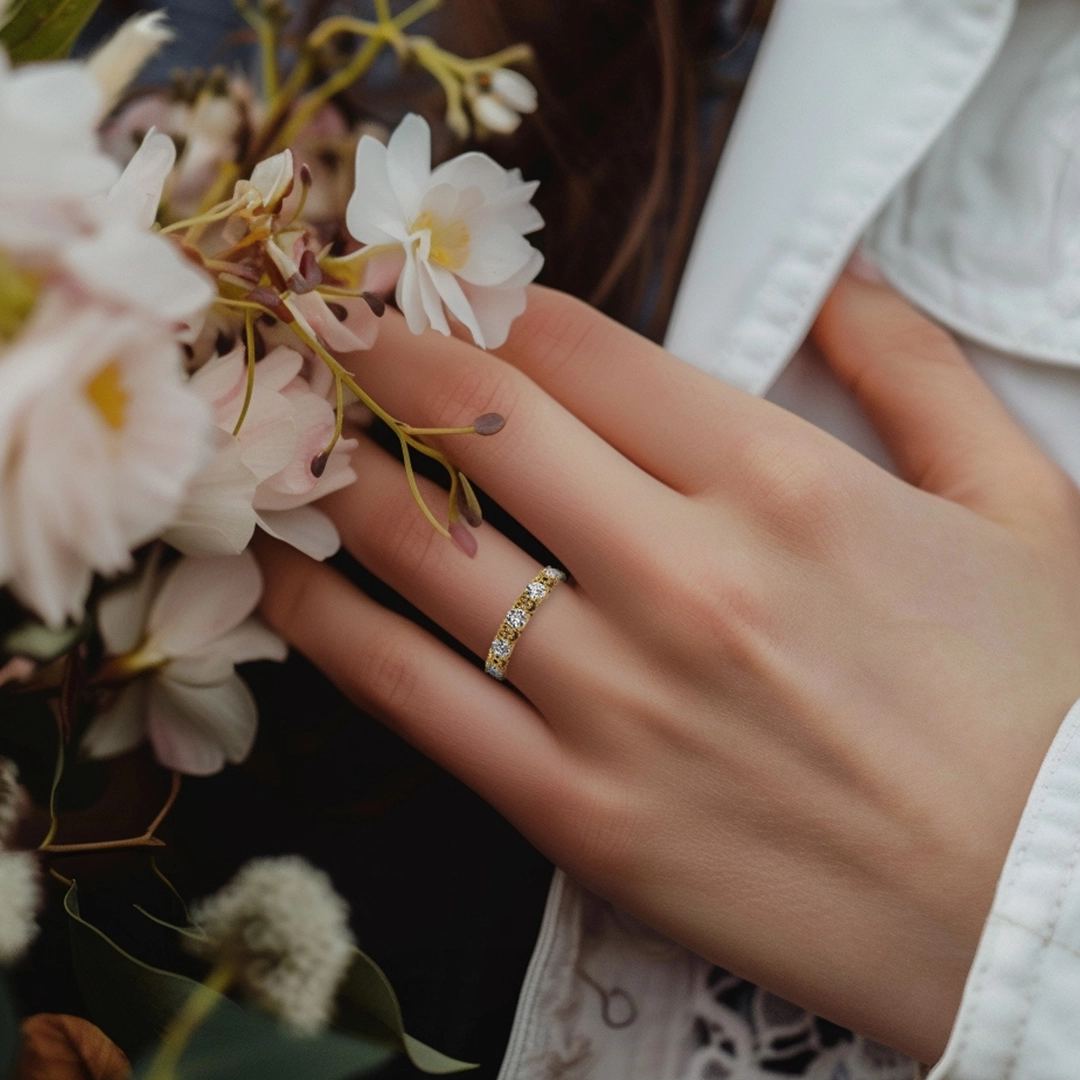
x=135, y=197
x=408, y=163
x=357, y=331
x=430, y=298
x=201, y=600
x=408, y=297
x=252, y=640
x=306, y=528
x=195, y=729
x=514, y=89
x=122, y=613
x=457, y=302
x=120, y=728
x=374, y=214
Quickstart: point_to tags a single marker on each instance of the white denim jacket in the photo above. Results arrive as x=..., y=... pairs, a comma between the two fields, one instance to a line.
x=945, y=136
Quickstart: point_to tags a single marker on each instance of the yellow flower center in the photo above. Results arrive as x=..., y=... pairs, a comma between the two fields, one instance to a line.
x=106, y=392
x=449, y=240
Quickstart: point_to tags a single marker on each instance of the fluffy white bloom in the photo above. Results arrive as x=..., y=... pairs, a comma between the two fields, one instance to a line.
x=50, y=161
x=116, y=63
x=184, y=630
x=263, y=476
x=462, y=227
x=99, y=437
x=286, y=931
x=12, y=802
x=20, y=898
x=498, y=100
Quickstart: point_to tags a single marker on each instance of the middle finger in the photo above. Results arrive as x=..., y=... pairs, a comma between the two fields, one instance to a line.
x=564, y=483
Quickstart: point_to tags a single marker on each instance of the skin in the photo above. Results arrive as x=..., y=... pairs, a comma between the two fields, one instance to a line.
x=791, y=706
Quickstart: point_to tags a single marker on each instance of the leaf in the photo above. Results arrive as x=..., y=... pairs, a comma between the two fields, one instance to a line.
x=130, y=1001
x=134, y=1002
x=367, y=1005
x=9, y=1029
x=240, y=1044
x=44, y=29
x=57, y=1047
x=39, y=642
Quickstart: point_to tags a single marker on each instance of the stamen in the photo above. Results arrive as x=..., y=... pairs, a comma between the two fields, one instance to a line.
x=375, y=303
x=489, y=424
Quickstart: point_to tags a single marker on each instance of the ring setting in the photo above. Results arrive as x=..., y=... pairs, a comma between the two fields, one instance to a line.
x=517, y=618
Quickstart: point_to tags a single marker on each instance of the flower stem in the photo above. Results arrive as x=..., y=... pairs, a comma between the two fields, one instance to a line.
x=202, y=1002
x=148, y=839
x=249, y=337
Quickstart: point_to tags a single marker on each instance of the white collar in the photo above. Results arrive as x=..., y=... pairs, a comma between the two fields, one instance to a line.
x=845, y=99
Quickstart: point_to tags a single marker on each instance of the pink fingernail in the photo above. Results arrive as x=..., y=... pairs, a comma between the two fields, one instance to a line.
x=861, y=266
x=464, y=538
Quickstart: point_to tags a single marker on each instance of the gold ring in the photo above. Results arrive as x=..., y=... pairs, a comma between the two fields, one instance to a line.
x=516, y=619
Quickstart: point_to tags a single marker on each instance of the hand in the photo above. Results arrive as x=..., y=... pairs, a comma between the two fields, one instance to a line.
x=789, y=710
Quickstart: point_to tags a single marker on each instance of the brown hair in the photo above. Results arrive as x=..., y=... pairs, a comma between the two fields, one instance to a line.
x=635, y=105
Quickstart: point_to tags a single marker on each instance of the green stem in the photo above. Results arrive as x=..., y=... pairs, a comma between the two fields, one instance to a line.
x=249, y=390
x=202, y=1002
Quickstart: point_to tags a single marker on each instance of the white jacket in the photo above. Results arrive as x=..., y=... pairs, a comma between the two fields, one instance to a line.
x=944, y=135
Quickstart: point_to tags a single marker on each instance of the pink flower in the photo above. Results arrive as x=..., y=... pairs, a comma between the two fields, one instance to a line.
x=179, y=634
x=263, y=476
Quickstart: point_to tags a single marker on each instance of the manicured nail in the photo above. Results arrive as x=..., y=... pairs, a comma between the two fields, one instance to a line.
x=864, y=268
x=464, y=538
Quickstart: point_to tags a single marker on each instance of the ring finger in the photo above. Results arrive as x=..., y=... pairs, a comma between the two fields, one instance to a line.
x=382, y=527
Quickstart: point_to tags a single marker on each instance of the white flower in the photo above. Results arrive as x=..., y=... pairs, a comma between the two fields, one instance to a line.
x=20, y=898
x=99, y=437
x=286, y=932
x=125, y=263
x=462, y=227
x=50, y=161
x=263, y=475
x=498, y=99
x=184, y=630
x=116, y=63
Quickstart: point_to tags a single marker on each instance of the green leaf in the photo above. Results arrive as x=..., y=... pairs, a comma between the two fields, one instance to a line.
x=133, y=1002
x=130, y=1001
x=368, y=1006
x=239, y=1044
x=39, y=642
x=9, y=1029
x=44, y=29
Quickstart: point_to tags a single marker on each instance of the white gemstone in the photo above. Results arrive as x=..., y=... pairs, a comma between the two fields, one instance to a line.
x=555, y=575
x=517, y=618
x=494, y=672
x=500, y=648
x=536, y=590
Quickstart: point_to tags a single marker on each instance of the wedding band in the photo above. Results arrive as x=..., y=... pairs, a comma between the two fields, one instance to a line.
x=517, y=618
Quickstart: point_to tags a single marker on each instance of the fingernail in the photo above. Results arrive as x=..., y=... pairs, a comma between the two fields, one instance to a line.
x=861, y=266
x=464, y=538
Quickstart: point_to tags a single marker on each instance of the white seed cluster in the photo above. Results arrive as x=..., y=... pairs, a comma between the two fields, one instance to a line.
x=280, y=923
x=20, y=897
x=11, y=799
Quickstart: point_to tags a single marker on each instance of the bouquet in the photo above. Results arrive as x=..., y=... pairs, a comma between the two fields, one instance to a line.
x=185, y=275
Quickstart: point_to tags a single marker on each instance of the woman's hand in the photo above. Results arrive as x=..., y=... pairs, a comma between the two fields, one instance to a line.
x=790, y=708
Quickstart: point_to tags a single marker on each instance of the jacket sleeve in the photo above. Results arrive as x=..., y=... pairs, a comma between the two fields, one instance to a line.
x=1020, y=1014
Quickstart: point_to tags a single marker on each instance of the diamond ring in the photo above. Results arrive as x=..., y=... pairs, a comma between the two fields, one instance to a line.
x=516, y=618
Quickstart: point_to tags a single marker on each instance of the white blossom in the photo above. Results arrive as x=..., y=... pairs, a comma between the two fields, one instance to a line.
x=262, y=476
x=20, y=898
x=99, y=437
x=498, y=100
x=180, y=633
x=280, y=924
x=462, y=227
x=115, y=64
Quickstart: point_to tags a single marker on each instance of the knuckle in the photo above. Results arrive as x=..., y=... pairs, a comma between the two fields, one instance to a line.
x=562, y=329
x=471, y=391
x=389, y=676
x=603, y=821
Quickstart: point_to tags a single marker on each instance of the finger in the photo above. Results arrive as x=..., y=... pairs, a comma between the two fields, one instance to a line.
x=383, y=528
x=481, y=731
x=946, y=430
x=662, y=413
x=559, y=479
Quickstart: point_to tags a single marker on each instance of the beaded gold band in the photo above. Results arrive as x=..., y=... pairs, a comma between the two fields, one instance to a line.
x=516, y=619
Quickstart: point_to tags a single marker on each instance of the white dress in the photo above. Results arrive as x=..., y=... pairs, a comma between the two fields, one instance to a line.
x=945, y=136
